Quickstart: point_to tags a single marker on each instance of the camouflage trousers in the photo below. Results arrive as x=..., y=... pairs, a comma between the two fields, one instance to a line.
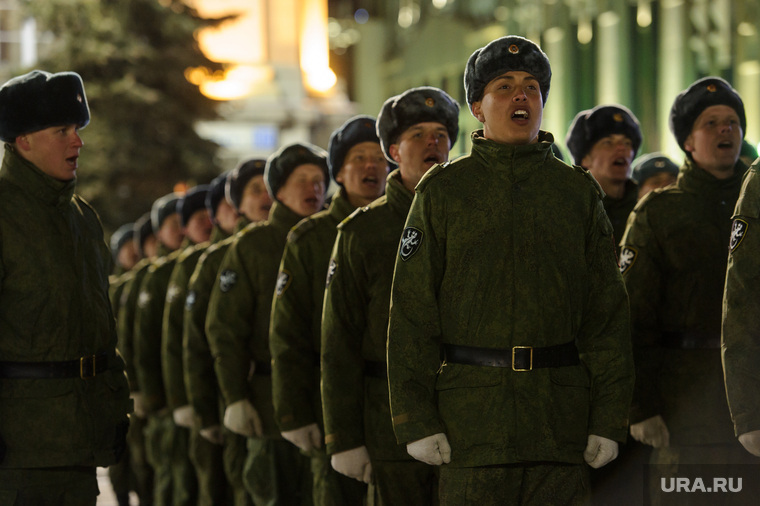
x=207, y=459
x=404, y=482
x=515, y=485
x=235, y=452
x=167, y=448
x=133, y=471
x=66, y=486
x=277, y=474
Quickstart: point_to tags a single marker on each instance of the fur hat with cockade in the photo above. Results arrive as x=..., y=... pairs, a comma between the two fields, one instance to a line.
x=40, y=100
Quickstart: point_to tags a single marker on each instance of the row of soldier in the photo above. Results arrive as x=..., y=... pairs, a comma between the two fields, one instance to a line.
x=254, y=382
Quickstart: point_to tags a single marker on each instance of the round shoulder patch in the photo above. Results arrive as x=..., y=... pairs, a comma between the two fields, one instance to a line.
x=411, y=240
x=738, y=231
x=190, y=300
x=627, y=258
x=227, y=280
x=283, y=282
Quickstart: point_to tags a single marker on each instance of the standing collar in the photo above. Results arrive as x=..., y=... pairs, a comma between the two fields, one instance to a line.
x=24, y=174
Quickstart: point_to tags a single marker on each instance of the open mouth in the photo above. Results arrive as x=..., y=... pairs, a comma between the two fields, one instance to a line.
x=72, y=160
x=725, y=145
x=372, y=180
x=520, y=114
x=620, y=162
x=433, y=158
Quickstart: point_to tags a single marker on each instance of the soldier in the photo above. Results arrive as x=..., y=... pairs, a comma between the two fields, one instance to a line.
x=673, y=259
x=237, y=325
x=605, y=141
x=358, y=165
x=740, y=321
x=247, y=193
x=508, y=344
x=416, y=130
x=748, y=153
x=146, y=337
x=652, y=171
x=65, y=398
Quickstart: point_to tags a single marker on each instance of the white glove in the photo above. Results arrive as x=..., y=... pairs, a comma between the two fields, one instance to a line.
x=184, y=416
x=652, y=432
x=751, y=442
x=139, y=404
x=354, y=464
x=306, y=438
x=213, y=434
x=242, y=418
x=433, y=450
x=600, y=451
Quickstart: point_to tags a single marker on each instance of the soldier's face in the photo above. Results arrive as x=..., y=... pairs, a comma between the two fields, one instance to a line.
x=256, y=202
x=511, y=108
x=660, y=180
x=198, y=228
x=54, y=150
x=128, y=255
x=420, y=147
x=363, y=173
x=609, y=159
x=716, y=140
x=304, y=191
x=226, y=216
x=170, y=233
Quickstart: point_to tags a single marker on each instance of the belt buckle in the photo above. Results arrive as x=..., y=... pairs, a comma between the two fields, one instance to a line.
x=530, y=367
x=83, y=373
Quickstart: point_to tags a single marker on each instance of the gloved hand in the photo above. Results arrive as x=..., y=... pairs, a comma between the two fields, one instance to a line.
x=306, y=438
x=652, y=432
x=353, y=463
x=600, y=451
x=184, y=416
x=213, y=434
x=139, y=404
x=242, y=418
x=751, y=442
x=433, y=450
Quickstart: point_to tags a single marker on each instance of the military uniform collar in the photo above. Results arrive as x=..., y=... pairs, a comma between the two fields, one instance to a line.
x=399, y=198
x=694, y=178
x=630, y=195
x=282, y=216
x=217, y=234
x=340, y=207
x=31, y=179
x=241, y=223
x=519, y=159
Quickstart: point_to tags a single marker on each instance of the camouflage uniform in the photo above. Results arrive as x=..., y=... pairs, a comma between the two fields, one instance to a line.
x=741, y=325
x=354, y=329
x=200, y=379
x=673, y=259
x=294, y=341
x=237, y=327
x=204, y=455
x=162, y=440
x=619, y=209
x=54, y=267
x=509, y=247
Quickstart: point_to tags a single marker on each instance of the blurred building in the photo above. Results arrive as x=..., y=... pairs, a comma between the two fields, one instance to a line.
x=640, y=53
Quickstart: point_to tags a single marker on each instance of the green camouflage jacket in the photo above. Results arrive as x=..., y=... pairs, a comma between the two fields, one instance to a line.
x=173, y=324
x=508, y=247
x=673, y=258
x=149, y=317
x=355, y=325
x=295, y=327
x=201, y=386
x=237, y=324
x=54, y=307
x=125, y=319
x=619, y=209
x=741, y=307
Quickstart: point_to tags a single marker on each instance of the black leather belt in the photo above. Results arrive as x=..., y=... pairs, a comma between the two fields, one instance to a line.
x=375, y=369
x=690, y=340
x=83, y=367
x=519, y=358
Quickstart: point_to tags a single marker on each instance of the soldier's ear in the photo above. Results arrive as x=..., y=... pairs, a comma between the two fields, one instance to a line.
x=393, y=150
x=688, y=144
x=478, y=112
x=22, y=141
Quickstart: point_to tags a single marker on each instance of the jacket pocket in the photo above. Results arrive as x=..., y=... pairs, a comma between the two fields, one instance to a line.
x=571, y=395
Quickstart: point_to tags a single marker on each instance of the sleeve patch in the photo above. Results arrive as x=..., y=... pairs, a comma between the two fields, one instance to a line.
x=627, y=259
x=190, y=300
x=411, y=240
x=283, y=282
x=331, y=271
x=227, y=280
x=738, y=231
